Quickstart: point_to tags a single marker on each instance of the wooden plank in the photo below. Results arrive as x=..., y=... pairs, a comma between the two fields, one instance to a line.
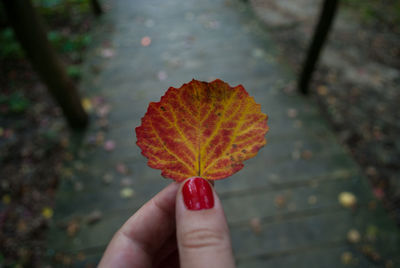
x=240, y=208
x=316, y=231
x=321, y=257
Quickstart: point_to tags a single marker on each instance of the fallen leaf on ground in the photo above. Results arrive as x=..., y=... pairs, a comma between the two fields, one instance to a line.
x=67, y=172
x=6, y=199
x=379, y=193
x=107, y=178
x=371, y=233
x=100, y=138
x=47, y=212
x=371, y=253
x=346, y=258
x=162, y=75
x=312, y=200
x=103, y=110
x=22, y=227
x=102, y=123
x=97, y=101
x=87, y=104
x=78, y=186
x=107, y=53
x=72, y=228
x=306, y=154
x=109, y=145
x=255, y=224
x=292, y=113
x=322, y=90
x=126, y=181
x=67, y=261
x=372, y=205
x=127, y=192
x=353, y=236
x=146, y=41
x=371, y=171
x=121, y=168
x=202, y=129
x=280, y=201
x=94, y=217
x=347, y=199
x=331, y=100
x=8, y=133
x=81, y=257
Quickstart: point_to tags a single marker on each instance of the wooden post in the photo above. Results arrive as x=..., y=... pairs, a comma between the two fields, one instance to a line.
x=321, y=31
x=96, y=7
x=31, y=34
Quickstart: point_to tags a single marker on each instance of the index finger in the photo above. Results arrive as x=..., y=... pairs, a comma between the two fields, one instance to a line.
x=144, y=232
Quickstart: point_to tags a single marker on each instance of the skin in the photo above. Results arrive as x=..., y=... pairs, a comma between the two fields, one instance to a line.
x=164, y=233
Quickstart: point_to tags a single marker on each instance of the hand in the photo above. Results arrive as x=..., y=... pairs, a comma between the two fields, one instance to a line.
x=182, y=226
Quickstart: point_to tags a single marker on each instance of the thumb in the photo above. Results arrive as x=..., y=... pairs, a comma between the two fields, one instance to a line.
x=202, y=231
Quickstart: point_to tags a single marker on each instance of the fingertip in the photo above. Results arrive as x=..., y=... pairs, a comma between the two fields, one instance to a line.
x=202, y=230
x=197, y=194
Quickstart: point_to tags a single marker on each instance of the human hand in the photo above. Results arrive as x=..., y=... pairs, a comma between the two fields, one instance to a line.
x=182, y=226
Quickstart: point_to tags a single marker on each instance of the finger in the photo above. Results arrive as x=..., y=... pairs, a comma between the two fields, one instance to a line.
x=171, y=261
x=202, y=231
x=144, y=233
x=165, y=251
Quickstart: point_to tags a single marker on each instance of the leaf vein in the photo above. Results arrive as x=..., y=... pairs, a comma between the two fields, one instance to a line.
x=166, y=148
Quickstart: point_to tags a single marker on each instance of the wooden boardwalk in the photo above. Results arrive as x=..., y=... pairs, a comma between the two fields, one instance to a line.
x=282, y=208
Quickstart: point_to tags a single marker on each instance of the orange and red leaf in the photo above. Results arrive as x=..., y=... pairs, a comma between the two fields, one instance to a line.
x=202, y=129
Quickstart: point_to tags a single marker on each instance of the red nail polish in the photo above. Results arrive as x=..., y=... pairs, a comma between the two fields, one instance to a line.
x=197, y=194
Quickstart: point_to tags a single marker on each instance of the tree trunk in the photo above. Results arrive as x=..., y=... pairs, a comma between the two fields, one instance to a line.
x=31, y=34
x=96, y=7
x=321, y=31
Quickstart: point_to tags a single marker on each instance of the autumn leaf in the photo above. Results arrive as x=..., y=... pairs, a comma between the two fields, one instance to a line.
x=202, y=129
x=47, y=212
x=347, y=199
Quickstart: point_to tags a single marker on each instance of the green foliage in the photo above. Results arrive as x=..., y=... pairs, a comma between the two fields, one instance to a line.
x=48, y=3
x=62, y=9
x=16, y=102
x=57, y=14
x=372, y=11
x=66, y=12
x=69, y=43
x=74, y=71
x=9, y=48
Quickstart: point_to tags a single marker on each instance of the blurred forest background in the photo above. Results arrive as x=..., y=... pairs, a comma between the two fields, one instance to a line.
x=33, y=134
x=357, y=86
x=357, y=81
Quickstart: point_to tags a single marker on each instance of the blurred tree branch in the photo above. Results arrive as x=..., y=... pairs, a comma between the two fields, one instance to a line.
x=31, y=34
x=326, y=17
x=96, y=7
